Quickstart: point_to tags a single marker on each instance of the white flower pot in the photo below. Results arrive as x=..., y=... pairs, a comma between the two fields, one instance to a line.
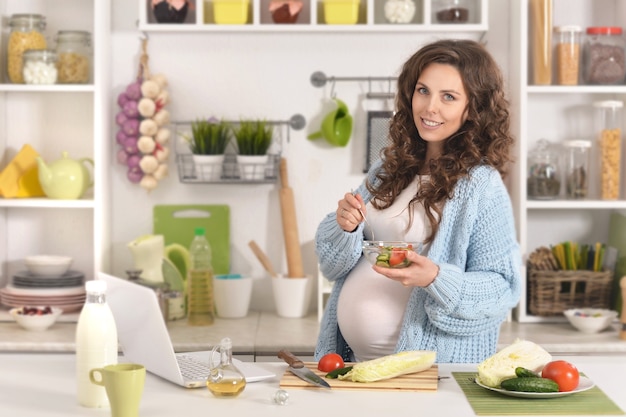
x=232, y=296
x=252, y=167
x=208, y=167
x=292, y=296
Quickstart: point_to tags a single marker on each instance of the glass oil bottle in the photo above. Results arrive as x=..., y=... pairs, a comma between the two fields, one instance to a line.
x=225, y=380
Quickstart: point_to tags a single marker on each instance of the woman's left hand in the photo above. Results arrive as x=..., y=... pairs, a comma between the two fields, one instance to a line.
x=420, y=273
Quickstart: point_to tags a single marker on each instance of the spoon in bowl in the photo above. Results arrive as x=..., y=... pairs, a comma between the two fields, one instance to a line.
x=365, y=218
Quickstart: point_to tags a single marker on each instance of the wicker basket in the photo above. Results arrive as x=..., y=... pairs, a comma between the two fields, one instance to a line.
x=552, y=292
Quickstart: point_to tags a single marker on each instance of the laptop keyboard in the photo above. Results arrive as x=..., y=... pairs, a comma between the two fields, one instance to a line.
x=192, y=368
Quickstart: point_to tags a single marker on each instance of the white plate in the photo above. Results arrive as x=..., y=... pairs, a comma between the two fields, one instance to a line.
x=583, y=385
x=11, y=290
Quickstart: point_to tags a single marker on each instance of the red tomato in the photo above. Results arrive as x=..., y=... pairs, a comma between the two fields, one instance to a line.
x=563, y=373
x=330, y=362
x=397, y=257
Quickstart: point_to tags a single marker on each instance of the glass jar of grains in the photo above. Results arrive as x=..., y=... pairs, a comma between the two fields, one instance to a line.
x=26, y=33
x=608, y=124
x=567, y=54
x=74, y=56
x=604, y=56
x=544, y=174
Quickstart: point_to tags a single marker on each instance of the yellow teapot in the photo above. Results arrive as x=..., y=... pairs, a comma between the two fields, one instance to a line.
x=65, y=178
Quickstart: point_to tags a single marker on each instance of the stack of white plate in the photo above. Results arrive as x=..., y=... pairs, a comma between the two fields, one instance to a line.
x=65, y=291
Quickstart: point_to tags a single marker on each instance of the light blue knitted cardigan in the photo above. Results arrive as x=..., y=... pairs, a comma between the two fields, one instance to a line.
x=460, y=313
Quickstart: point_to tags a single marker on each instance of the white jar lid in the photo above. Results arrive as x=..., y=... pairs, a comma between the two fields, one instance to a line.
x=609, y=103
x=568, y=28
x=577, y=143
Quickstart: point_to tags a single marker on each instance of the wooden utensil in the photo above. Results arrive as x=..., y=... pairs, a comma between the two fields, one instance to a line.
x=262, y=257
x=622, y=333
x=290, y=225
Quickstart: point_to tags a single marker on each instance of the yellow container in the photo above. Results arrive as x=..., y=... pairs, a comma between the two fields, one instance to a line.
x=341, y=12
x=231, y=12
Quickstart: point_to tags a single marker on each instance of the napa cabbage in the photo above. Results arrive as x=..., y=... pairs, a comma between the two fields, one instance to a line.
x=391, y=366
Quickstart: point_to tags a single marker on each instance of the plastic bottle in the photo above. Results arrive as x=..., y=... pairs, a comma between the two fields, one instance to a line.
x=96, y=344
x=200, y=303
x=225, y=380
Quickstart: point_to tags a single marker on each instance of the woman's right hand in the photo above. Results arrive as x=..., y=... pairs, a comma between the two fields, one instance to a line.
x=349, y=211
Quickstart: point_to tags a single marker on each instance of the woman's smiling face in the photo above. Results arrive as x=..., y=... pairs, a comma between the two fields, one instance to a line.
x=439, y=103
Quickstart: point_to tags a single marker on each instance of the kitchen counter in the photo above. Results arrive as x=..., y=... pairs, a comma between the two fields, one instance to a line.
x=261, y=334
x=35, y=384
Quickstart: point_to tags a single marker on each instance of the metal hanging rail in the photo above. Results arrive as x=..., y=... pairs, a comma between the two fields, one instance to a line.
x=319, y=79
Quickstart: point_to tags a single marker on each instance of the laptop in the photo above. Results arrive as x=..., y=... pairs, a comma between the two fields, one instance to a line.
x=144, y=339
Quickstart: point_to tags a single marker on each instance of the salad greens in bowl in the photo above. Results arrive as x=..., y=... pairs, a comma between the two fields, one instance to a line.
x=390, y=254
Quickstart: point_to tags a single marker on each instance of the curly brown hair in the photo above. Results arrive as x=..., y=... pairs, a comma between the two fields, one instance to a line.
x=483, y=139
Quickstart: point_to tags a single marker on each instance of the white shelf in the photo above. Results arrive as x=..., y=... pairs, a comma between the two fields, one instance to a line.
x=56, y=88
x=557, y=113
x=52, y=119
x=46, y=203
x=371, y=19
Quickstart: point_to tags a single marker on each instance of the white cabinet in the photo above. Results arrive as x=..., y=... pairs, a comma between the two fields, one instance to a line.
x=371, y=17
x=53, y=119
x=558, y=113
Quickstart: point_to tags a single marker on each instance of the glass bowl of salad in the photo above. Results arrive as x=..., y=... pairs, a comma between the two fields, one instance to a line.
x=390, y=254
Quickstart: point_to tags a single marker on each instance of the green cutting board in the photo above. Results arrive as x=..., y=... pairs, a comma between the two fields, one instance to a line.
x=177, y=224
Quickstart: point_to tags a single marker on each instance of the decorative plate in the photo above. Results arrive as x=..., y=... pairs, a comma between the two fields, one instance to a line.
x=583, y=385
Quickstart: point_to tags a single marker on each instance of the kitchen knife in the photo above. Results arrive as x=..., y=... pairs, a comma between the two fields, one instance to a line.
x=296, y=366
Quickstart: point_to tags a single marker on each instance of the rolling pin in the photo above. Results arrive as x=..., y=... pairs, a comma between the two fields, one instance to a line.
x=290, y=225
x=622, y=333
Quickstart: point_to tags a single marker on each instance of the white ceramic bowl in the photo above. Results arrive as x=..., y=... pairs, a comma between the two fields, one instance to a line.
x=590, y=320
x=379, y=252
x=48, y=265
x=35, y=322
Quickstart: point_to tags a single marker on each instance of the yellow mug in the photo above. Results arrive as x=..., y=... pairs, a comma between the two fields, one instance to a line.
x=123, y=383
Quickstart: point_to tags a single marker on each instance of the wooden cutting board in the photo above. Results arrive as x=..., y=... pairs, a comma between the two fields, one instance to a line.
x=424, y=381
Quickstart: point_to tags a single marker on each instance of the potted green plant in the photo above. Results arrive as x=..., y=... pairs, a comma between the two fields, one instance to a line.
x=208, y=142
x=253, y=139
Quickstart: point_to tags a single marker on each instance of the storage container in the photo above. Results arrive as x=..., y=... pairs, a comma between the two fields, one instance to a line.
x=341, y=12
x=453, y=11
x=608, y=122
x=567, y=52
x=577, y=161
x=26, y=33
x=544, y=173
x=541, y=41
x=75, y=56
x=604, y=56
x=231, y=12
x=553, y=292
x=39, y=66
x=399, y=11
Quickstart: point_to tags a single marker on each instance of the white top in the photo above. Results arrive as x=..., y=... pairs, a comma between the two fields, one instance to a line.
x=371, y=306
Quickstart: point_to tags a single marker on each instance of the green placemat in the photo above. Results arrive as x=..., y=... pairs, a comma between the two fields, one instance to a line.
x=490, y=403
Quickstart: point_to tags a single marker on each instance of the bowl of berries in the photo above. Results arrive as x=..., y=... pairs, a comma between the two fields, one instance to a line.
x=37, y=318
x=590, y=320
x=390, y=254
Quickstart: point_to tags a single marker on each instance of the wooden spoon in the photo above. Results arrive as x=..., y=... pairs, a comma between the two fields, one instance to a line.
x=262, y=257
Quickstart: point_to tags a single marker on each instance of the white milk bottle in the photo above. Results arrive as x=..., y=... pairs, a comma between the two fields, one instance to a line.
x=96, y=344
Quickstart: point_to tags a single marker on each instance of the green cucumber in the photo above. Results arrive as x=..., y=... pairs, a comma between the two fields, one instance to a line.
x=525, y=373
x=533, y=384
x=341, y=371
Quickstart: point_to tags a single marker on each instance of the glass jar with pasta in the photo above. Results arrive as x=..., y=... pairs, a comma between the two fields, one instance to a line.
x=26, y=33
x=74, y=56
x=609, y=127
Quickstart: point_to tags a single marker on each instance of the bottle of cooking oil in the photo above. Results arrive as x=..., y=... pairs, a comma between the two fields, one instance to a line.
x=200, y=303
x=225, y=380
